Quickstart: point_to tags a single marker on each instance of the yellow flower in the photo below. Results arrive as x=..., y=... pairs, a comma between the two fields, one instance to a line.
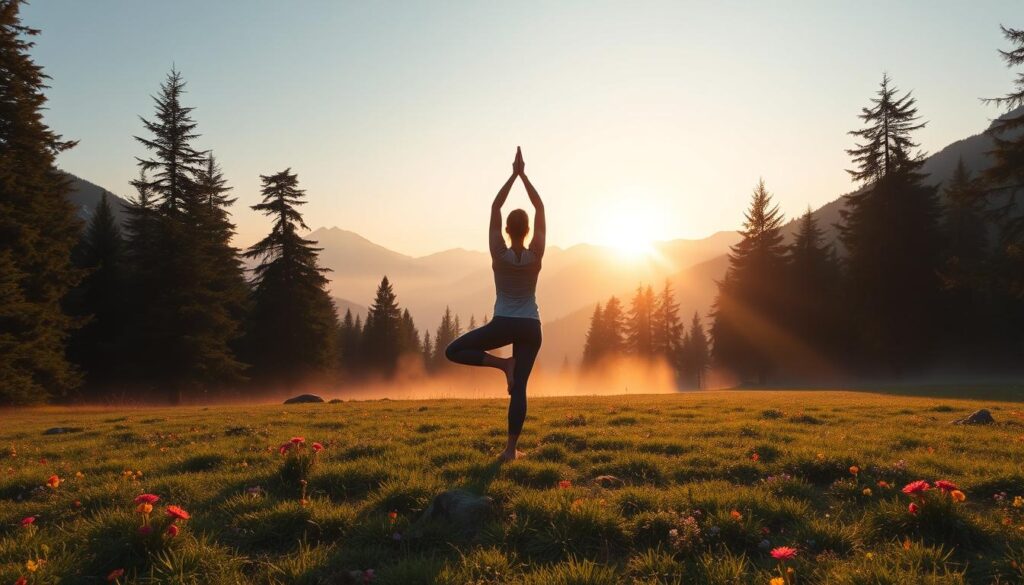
x=79, y=475
x=869, y=555
x=957, y=495
x=1018, y=502
x=33, y=566
x=777, y=581
x=821, y=455
x=867, y=492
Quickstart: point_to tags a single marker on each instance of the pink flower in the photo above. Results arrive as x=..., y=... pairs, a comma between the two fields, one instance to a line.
x=28, y=521
x=146, y=499
x=298, y=440
x=916, y=487
x=318, y=447
x=946, y=486
x=176, y=513
x=912, y=508
x=172, y=530
x=783, y=553
x=283, y=449
x=115, y=575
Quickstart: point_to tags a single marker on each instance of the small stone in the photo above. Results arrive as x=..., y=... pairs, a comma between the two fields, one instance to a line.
x=62, y=430
x=304, y=399
x=978, y=417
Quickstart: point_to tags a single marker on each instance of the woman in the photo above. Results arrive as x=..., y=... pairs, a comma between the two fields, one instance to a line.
x=516, y=317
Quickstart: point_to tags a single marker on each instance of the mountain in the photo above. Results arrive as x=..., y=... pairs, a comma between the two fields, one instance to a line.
x=85, y=196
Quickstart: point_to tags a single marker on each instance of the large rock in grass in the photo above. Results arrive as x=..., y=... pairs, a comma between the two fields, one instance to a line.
x=978, y=417
x=304, y=399
x=464, y=511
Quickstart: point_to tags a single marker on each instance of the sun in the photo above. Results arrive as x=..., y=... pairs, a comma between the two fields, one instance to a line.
x=629, y=230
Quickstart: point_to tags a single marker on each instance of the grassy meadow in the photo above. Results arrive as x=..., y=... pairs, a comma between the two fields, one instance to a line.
x=686, y=488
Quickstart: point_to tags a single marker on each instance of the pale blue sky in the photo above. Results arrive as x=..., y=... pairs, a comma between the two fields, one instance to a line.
x=401, y=118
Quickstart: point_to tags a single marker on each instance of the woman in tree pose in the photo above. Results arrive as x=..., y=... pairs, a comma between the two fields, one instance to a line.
x=516, y=317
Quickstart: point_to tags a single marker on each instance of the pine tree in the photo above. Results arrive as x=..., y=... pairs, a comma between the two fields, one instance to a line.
x=614, y=328
x=594, y=347
x=639, y=325
x=292, y=328
x=38, y=228
x=890, y=231
x=811, y=291
x=695, y=355
x=748, y=311
x=472, y=323
x=666, y=328
x=447, y=331
x=382, y=336
x=408, y=335
x=428, y=352
x=96, y=347
x=349, y=334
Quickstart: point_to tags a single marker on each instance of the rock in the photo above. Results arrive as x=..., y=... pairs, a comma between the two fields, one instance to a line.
x=304, y=399
x=463, y=509
x=335, y=401
x=608, y=481
x=978, y=417
x=62, y=430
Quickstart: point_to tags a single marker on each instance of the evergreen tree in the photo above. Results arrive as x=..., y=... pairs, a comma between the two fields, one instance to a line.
x=639, y=325
x=292, y=327
x=382, y=336
x=695, y=355
x=1006, y=175
x=811, y=292
x=748, y=312
x=186, y=329
x=428, y=351
x=447, y=331
x=890, y=231
x=614, y=328
x=349, y=339
x=666, y=328
x=38, y=228
x=593, y=348
x=96, y=346
x=472, y=323
x=409, y=336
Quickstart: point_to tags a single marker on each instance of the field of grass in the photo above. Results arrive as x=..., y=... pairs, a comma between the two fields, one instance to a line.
x=686, y=488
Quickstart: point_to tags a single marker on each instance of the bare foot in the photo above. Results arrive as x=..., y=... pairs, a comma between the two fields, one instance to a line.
x=510, y=370
x=506, y=456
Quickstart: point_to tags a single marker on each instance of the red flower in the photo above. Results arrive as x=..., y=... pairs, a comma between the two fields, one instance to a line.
x=393, y=515
x=284, y=448
x=946, y=486
x=21, y=581
x=176, y=513
x=565, y=484
x=298, y=440
x=783, y=553
x=916, y=487
x=28, y=521
x=318, y=447
x=912, y=508
x=146, y=499
x=115, y=575
x=172, y=530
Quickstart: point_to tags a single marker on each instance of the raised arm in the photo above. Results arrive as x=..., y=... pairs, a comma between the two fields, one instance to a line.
x=495, y=240
x=540, y=226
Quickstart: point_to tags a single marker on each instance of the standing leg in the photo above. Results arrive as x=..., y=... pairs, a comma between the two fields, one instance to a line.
x=471, y=349
x=524, y=352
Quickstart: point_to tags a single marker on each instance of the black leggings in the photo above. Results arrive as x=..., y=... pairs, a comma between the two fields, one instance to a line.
x=524, y=335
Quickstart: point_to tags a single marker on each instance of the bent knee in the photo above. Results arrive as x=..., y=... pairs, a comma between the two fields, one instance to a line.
x=450, y=351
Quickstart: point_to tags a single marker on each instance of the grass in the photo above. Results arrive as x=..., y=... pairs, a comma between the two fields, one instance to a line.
x=667, y=489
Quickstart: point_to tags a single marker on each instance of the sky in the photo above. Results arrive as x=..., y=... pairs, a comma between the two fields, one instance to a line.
x=401, y=118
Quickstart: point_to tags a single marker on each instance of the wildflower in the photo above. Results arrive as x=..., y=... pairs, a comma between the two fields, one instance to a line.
x=735, y=514
x=77, y=503
x=755, y=457
x=1018, y=502
x=318, y=447
x=783, y=553
x=867, y=492
x=906, y=543
x=869, y=555
x=821, y=456
x=912, y=508
x=115, y=575
x=34, y=565
x=144, y=508
x=146, y=499
x=777, y=581
x=916, y=487
x=53, y=482
x=28, y=521
x=173, y=530
x=21, y=581
x=565, y=484
x=176, y=513
x=393, y=515
x=854, y=470
x=946, y=486
x=883, y=484
x=297, y=440
x=283, y=449
x=79, y=475
x=957, y=495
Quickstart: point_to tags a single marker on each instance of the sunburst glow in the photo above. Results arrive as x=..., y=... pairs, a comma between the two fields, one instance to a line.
x=629, y=230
